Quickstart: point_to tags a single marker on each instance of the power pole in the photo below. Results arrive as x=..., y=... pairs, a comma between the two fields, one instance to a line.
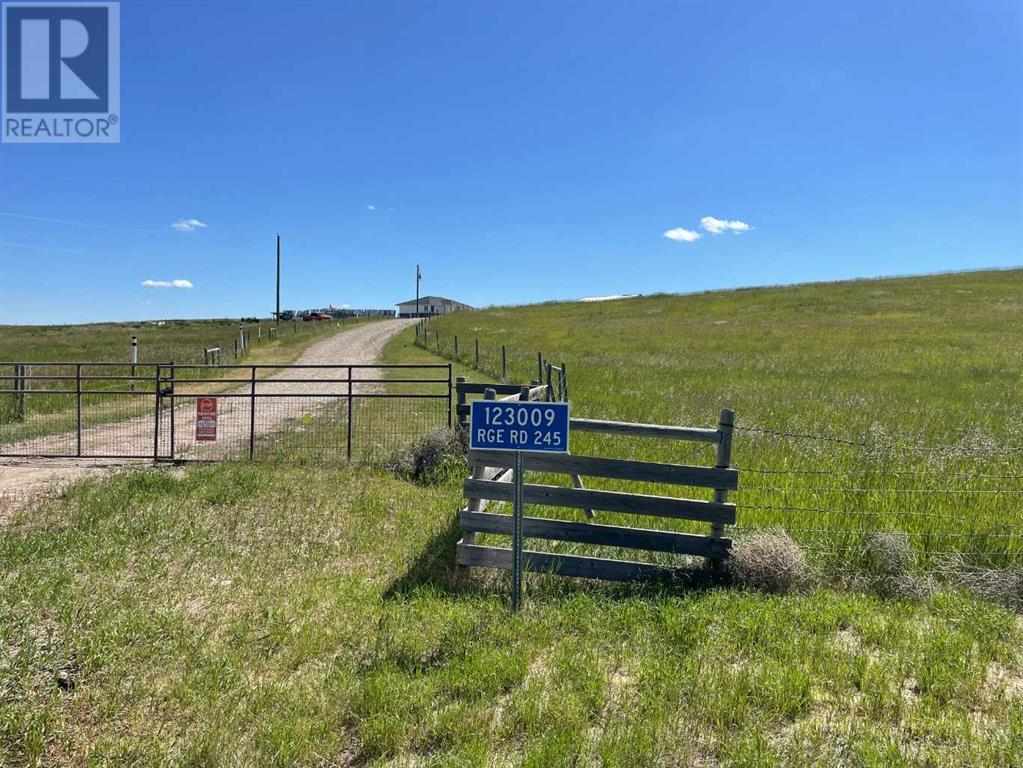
x=419, y=276
x=277, y=314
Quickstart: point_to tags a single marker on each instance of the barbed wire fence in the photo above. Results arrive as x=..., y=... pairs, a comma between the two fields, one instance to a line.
x=879, y=493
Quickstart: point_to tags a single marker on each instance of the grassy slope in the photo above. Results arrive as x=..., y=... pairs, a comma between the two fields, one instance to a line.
x=928, y=371
x=247, y=615
x=303, y=615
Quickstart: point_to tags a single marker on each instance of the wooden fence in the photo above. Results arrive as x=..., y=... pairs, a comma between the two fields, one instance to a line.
x=491, y=481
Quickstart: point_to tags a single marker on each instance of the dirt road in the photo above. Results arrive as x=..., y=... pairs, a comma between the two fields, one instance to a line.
x=23, y=479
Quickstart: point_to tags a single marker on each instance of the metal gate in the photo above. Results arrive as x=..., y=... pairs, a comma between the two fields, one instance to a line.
x=355, y=412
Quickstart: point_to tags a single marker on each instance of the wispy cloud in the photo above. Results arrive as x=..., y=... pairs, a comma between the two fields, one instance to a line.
x=718, y=226
x=371, y=207
x=188, y=225
x=682, y=235
x=167, y=283
x=92, y=225
x=39, y=247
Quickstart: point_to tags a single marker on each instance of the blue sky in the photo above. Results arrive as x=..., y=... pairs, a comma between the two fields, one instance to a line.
x=521, y=152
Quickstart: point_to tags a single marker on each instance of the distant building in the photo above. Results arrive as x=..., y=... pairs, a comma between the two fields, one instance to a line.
x=430, y=306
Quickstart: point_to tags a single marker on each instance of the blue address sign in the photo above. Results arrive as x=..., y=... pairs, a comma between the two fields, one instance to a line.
x=518, y=425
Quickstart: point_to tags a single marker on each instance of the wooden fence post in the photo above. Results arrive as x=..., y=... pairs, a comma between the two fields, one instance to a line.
x=539, y=366
x=477, y=353
x=456, y=347
x=478, y=473
x=726, y=422
x=504, y=363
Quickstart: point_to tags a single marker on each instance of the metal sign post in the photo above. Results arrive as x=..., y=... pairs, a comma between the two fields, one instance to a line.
x=520, y=426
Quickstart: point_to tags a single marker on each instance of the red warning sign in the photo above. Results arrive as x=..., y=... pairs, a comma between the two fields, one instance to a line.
x=206, y=419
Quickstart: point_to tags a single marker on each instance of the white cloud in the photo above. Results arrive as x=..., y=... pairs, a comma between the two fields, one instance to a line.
x=371, y=207
x=717, y=226
x=682, y=235
x=167, y=283
x=188, y=225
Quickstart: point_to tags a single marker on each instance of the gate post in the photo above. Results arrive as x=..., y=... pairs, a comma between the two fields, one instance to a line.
x=349, y=414
x=726, y=423
x=170, y=391
x=463, y=420
x=252, y=414
x=78, y=408
x=156, y=420
x=449, y=395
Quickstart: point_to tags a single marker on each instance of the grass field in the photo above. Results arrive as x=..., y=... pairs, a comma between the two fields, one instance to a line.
x=297, y=614
x=903, y=398
x=179, y=341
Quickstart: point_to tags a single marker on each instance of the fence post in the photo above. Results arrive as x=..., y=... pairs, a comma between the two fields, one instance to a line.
x=463, y=419
x=449, y=395
x=539, y=366
x=241, y=338
x=726, y=422
x=349, y=414
x=259, y=334
x=477, y=353
x=78, y=391
x=564, y=383
x=456, y=347
x=550, y=392
x=156, y=423
x=478, y=473
x=504, y=363
x=236, y=349
x=134, y=359
x=173, y=376
x=20, y=386
x=252, y=414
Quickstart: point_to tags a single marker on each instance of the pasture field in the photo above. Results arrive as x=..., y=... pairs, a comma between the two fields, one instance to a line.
x=301, y=614
x=290, y=615
x=874, y=405
x=179, y=341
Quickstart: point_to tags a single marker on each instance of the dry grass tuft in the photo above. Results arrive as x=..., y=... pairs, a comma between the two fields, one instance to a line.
x=1003, y=586
x=770, y=562
x=433, y=459
x=890, y=567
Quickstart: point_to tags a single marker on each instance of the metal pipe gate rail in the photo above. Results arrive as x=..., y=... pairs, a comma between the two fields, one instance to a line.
x=149, y=411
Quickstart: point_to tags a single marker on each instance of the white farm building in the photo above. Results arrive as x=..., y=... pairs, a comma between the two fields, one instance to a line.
x=430, y=306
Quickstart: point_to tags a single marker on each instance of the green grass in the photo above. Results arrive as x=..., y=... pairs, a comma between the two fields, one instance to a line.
x=179, y=341
x=293, y=614
x=928, y=372
x=253, y=615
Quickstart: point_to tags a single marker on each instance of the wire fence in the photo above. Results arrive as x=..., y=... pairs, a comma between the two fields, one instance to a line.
x=964, y=498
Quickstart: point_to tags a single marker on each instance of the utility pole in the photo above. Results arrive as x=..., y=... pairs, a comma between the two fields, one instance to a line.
x=419, y=276
x=277, y=314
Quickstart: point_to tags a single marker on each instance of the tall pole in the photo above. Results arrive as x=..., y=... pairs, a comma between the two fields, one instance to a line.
x=277, y=314
x=419, y=276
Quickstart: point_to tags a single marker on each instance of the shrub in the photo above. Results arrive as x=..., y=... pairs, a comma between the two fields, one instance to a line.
x=1003, y=586
x=436, y=458
x=889, y=562
x=771, y=562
